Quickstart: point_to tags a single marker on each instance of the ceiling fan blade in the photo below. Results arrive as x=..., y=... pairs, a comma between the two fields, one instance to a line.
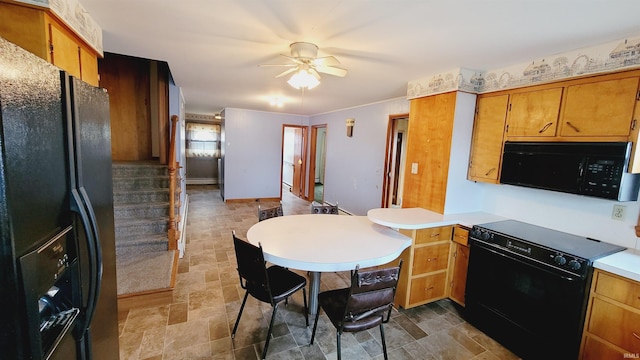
x=335, y=71
x=326, y=61
x=315, y=73
x=287, y=65
x=295, y=60
x=293, y=69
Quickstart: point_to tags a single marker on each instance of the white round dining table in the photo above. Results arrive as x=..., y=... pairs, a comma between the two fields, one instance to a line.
x=325, y=243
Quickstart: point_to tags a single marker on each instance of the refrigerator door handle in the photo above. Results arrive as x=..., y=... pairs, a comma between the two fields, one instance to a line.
x=87, y=216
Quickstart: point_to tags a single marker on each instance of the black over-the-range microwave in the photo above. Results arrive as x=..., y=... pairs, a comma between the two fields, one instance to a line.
x=598, y=169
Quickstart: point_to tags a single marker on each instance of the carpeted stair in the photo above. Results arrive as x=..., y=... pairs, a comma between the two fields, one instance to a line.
x=141, y=214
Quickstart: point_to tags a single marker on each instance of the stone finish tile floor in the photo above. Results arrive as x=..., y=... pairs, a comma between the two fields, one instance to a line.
x=207, y=297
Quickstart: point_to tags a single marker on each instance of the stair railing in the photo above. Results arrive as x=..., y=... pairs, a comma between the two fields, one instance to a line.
x=174, y=233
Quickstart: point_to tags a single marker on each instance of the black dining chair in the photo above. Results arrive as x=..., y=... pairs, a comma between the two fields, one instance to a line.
x=364, y=305
x=318, y=208
x=268, y=213
x=271, y=285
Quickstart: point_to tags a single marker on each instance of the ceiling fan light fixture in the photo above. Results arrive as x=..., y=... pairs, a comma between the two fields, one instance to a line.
x=303, y=79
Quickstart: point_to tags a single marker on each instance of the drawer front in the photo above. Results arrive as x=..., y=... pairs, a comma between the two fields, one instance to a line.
x=624, y=291
x=461, y=235
x=597, y=350
x=430, y=258
x=425, y=236
x=619, y=326
x=427, y=287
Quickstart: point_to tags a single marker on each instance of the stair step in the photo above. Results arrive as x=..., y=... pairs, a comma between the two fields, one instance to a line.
x=140, y=182
x=141, y=244
x=132, y=227
x=140, y=196
x=142, y=210
x=139, y=169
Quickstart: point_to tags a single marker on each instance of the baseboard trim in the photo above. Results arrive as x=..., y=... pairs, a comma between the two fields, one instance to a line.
x=250, y=200
x=145, y=299
x=203, y=181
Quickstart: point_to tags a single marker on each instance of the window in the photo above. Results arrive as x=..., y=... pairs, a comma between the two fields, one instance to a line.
x=203, y=140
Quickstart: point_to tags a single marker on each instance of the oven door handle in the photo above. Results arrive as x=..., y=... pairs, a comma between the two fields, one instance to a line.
x=508, y=254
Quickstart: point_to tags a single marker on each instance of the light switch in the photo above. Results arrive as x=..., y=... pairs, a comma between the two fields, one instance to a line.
x=414, y=168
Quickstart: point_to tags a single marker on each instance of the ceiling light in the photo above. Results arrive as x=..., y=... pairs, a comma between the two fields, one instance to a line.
x=303, y=79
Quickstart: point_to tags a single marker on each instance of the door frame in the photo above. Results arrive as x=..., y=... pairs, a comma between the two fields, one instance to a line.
x=311, y=180
x=303, y=158
x=388, y=161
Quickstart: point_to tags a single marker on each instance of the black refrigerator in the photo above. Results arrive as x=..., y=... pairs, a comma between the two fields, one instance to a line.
x=58, y=297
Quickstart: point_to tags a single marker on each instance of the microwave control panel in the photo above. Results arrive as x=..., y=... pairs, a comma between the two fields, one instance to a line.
x=602, y=178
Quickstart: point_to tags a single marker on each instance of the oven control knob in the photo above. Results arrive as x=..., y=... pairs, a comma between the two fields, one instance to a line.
x=574, y=265
x=485, y=235
x=560, y=260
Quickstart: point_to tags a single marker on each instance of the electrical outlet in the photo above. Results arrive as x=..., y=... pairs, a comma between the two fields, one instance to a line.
x=618, y=212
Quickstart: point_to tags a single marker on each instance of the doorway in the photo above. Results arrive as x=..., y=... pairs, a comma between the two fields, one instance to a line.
x=294, y=140
x=317, y=162
x=393, y=182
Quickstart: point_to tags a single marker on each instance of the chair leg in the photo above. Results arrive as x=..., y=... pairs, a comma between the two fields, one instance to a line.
x=315, y=325
x=338, y=342
x=235, y=327
x=273, y=318
x=306, y=309
x=384, y=344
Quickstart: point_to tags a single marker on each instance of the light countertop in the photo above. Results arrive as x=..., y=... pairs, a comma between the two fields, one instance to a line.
x=419, y=218
x=625, y=263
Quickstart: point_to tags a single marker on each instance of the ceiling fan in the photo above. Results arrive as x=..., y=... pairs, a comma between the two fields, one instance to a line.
x=306, y=66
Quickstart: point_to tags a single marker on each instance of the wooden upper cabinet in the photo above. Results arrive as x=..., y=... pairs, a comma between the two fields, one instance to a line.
x=486, y=144
x=602, y=108
x=42, y=34
x=534, y=113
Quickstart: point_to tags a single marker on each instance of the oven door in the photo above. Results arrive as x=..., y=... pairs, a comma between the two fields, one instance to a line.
x=534, y=310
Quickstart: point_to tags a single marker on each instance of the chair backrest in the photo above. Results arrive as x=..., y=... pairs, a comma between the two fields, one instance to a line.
x=317, y=208
x=264, y=214
x=372, y=292
x=252, y=267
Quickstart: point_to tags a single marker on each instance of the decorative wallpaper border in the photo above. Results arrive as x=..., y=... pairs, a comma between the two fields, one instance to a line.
x=615, y=55
x=77, y=18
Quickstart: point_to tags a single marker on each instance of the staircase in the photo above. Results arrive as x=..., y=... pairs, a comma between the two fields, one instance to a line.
x=141, y=215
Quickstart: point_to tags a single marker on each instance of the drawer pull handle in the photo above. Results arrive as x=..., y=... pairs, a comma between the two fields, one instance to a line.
x=434, y=235
x=636, y=335
x=431, y=288
x=432, y=259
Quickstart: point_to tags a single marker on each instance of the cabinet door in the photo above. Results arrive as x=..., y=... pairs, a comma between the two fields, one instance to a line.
x=89, y=67
x=534, y=113
x=65, y=52
x=602, y=108
x=615, y=324
x=459, y=276
x=486, y=145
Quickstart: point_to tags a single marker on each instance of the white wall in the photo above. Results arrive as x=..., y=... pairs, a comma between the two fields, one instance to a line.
x=354, y=166
x=253, y=152
x=575, y=214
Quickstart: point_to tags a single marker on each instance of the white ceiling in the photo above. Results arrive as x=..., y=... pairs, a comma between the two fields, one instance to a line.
x=214, y=47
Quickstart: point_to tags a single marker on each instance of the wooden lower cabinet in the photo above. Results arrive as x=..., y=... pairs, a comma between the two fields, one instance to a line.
x=424, y=276
x=459, y=264
x=612, y=325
